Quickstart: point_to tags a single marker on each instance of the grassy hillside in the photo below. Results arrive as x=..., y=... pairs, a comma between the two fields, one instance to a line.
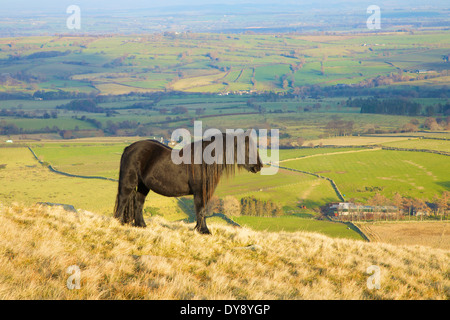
x=168, y=260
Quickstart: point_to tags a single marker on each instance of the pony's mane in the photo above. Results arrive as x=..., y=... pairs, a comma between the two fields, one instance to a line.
x=211, y=173
x=161, y=144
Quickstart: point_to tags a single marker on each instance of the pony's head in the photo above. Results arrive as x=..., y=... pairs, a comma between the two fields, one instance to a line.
x=246, y=152
x=254, y=168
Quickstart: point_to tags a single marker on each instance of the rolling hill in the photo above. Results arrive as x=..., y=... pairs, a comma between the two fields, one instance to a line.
x=47, y=253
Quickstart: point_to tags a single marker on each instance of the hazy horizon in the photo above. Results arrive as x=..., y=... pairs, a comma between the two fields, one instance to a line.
x=26, y=17
x=51, y=6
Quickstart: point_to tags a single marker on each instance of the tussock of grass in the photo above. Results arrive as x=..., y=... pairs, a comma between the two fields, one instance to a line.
x=168, y=260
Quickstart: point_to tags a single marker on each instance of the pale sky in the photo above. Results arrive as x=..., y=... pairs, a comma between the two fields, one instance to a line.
x=42, y=6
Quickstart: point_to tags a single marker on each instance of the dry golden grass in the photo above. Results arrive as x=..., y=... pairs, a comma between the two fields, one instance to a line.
x=168, y=260
x=423, y=233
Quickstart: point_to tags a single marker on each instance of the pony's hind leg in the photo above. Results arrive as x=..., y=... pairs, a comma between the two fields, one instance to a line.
x=125, y=204
x=126, y=193
x=200, y=212
x=141, y=194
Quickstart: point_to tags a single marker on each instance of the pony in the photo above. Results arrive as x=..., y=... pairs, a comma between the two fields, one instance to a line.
x=147, y=165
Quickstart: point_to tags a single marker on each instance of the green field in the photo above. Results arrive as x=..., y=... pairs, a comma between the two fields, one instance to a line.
x=426, y=144
x=289, y=189
x=286, y=154
x=83, y=159
x=26, y=181
x=360, y=174
x=293, y=223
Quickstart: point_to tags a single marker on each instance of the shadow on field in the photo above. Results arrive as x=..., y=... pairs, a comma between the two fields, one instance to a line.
x=445, y=184
x=311, y=204
x=187, y=206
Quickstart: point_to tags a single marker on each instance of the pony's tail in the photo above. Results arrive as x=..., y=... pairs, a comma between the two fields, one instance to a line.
x=125, y=206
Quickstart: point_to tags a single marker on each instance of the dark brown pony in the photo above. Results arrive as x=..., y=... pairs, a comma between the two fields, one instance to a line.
x=147, y=165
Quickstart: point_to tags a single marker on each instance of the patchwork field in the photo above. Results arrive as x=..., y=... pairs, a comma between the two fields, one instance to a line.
x=218, y=62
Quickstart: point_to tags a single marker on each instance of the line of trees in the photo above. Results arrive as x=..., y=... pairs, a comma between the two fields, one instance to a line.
x=7, y=128
x=47, y=95
x=437, y=208
x=247, y=206
x=17, y=113
x=393, y=106
x=86, y=105
x=229, y=206
x=251, y=206
x=397, y=106
x=339, y=127
x=91, y=121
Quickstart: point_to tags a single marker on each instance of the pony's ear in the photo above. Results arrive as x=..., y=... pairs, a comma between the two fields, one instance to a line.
x=249, y=132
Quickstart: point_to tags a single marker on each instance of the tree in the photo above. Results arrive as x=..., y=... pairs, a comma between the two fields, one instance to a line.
x=378, y=200
x=8, y=128
x=430, y=123
x=442, y=203
x=231, y=206
x=397, y=201
x=409, y=127
x=300, y=141
x=179, y=110
x=244, y=207
x=215, y=205
x=252, y=206
x=420, y=206
x=199, y=111
x=429, y=111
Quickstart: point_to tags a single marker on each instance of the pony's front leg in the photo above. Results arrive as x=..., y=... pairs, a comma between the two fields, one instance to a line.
x=139, y=215
x=200, y=212
x=141, y=194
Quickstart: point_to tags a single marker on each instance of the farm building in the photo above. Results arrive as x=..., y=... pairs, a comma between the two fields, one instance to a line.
x=348, y=208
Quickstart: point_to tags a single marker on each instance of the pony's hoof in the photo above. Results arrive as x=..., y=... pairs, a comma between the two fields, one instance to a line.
x=141, y=225
x=203, y=231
